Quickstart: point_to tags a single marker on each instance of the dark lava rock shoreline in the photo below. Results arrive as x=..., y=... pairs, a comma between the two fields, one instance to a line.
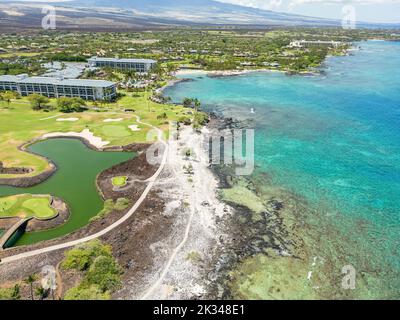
x=244, y=235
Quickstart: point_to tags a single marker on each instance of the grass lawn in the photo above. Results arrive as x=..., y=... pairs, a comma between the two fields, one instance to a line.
x=20, y=124
x=119, y=181
x=26, y=206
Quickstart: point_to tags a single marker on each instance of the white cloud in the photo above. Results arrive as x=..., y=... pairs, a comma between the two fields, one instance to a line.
x=367, y=10
x=270, y=4
x=260, y=4
x=347, y=2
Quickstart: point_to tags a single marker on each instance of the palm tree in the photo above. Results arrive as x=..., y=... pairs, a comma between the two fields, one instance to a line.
x=16, y=292
x=7, y=96
x=146, y=96
x=197, y=105
x=187, y=102
x=30, y=280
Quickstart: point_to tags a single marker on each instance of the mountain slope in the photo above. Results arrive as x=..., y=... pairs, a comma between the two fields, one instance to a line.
x=98, y=15
x=204, y=11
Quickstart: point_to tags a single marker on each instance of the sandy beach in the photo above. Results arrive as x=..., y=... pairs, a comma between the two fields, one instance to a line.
x=222, y=73
x=182, y=72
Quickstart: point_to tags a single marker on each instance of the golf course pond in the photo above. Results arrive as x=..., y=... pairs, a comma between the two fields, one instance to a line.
x=74, y=182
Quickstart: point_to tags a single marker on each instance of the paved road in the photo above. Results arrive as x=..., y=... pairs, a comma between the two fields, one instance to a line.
x=116, y=224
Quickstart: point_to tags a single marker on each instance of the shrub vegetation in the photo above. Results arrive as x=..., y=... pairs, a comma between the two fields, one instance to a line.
x=101, y=272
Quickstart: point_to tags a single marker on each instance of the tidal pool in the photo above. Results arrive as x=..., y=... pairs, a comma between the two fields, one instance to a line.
x=74, y=182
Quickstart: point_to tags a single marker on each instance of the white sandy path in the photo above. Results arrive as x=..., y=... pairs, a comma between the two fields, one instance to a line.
x=67, y=119
x=113, y=120
x=69, y=244
x=85, y=134
x=205, y=186
x=148, y=293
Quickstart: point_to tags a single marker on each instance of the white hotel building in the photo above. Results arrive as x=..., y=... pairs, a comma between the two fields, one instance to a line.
x=138, y=65
x=318, y=43
x=55, y=88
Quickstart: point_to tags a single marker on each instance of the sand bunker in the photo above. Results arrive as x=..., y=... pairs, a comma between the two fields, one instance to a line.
x=52, y=117
x=68, y=119
x=85, y=134
x=134, y=127
x=113, y=120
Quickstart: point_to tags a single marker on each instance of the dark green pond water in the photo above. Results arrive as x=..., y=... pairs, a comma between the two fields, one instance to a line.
x=74, y=182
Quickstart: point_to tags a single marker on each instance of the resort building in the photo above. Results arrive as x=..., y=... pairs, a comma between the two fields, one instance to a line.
x=318, y=43
x=55, y=87
x=138, y=65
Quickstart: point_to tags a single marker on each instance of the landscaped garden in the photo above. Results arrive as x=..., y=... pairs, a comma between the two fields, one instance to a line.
x=27, y=206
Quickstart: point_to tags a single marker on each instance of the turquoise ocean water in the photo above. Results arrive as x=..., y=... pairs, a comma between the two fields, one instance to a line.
x=333, y=139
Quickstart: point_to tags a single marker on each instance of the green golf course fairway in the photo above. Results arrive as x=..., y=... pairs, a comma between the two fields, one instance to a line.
x=74, y=182
x=20, y=124
x=119, y=181
x=116, y=131
x=27, y=206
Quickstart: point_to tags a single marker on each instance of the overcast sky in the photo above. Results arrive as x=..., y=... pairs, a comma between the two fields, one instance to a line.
x=366, y=10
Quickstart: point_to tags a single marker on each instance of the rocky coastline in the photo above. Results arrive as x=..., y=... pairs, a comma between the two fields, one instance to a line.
x=246, y=234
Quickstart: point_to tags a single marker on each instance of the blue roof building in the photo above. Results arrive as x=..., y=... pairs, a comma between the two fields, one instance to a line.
x=56, y=87
x=138, y=65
